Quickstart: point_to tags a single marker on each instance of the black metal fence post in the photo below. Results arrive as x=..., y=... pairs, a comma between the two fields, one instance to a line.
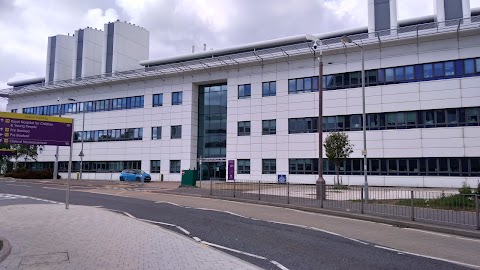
x=259, y=190
x=211, y=187
x=361, y=201
x=234, y=188
x=412, y=204
x=477, y=207
x=288, y=193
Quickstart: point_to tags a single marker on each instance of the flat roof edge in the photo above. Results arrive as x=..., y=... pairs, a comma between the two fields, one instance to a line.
x=26, y=81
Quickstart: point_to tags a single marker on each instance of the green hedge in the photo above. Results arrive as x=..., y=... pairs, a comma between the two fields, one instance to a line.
x=29, y=174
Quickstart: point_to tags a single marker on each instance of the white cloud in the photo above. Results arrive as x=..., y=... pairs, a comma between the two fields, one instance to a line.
x=96, y=17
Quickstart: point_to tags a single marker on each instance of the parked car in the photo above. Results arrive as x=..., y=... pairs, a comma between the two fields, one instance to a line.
x=135, y=175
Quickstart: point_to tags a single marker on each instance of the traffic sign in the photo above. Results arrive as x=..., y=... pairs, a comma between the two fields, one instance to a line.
x=7, y=152
x=16, y=128
x=282, y=179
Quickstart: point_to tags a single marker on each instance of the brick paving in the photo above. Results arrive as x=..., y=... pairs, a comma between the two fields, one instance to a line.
x=46, y=236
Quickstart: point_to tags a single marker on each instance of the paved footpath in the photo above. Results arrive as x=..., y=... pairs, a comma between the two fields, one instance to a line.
x=46, y=236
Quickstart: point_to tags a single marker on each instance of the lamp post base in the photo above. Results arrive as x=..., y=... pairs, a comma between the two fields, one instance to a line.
x=321, y=189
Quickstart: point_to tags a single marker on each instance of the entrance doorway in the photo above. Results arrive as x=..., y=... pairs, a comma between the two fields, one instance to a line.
x=214, y=171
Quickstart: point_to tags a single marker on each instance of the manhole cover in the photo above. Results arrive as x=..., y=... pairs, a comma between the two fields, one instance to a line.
x=45, y=259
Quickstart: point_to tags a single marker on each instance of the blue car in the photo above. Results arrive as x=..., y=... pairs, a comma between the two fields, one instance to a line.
x=135, y=175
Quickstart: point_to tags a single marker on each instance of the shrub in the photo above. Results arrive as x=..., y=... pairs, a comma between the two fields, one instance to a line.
x=478, y=188
x=465, y=189
x=23, y=173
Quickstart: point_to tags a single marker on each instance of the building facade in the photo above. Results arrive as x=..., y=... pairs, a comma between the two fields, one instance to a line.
x=256, y=105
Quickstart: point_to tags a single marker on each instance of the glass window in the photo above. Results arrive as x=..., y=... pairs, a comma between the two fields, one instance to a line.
x=449, y=68
x=409, y=73
x=438, y=70
x=354, y=79
x=356, y=122
x=243, y=166
x=472, y=115
x=381, y=76
x=291, y=86
x=452, y=117
x=299, y=84
x=411, y=118
x=154, y=166
x=269, y=127
x=269, y=166
x=243, y=128
x=372, y=77
x=469, y=66
x=459, y=67
x=269, y=89
x=413, y=166
x=156, y=133
x=391, y=120
x=174, y=166
x=338, y=80
x=399, y=74
x=176, y=132
x=478, y=65
x=429, y=118
x=244, y=91
x=177, y=98
x=314, y=83
x=440, y=114
x=392, y=166
x=389, y=75
x=330, y=82
x=427, y=71
x=157, y=100
x=308, y=84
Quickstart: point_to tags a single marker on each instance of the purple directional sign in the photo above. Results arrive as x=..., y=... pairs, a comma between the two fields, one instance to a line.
x=7, y=152
x=30, y=129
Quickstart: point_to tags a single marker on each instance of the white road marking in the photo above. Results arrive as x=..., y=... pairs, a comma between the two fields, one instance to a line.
x=170, y=203
x=288, y=224
x=320, y=230
x=128, y=215
x=439, y=234
x=53, y=188
x=468, y=239
x=183, y=230
x=428, y=257
x=279, y=265
x=204, y=242
x=17, y=185
x=234, y=250
x=355, y=240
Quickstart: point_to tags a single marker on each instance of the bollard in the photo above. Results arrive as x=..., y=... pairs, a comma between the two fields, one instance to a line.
x=234, y=187
x=259, y=190
x=361, y=201
x=477, y=206
x=412, y=205
x=288, y=193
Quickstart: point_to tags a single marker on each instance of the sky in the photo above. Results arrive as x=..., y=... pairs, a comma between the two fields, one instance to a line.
x=174, y=25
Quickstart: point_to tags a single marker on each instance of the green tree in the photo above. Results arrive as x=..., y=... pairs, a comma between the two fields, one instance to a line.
x=27, y=152
x=337, y=148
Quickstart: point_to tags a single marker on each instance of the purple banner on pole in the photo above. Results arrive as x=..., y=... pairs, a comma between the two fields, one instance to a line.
x=34, y=132
x=231, y=170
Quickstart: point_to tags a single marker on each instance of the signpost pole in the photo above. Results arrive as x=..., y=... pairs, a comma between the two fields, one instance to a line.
x=69, y=169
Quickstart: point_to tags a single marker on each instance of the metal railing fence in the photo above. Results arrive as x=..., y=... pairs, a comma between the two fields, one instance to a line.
x=448, y=207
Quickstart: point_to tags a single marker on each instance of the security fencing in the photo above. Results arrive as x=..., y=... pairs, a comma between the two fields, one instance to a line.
x=448, y=207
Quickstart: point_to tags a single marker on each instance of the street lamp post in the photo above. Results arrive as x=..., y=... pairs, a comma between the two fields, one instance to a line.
x=345, y=40
x=320, y=183
x=83, y=138
x=55, y=167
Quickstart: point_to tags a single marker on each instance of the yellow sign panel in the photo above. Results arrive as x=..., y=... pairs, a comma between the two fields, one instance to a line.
x=34, y=117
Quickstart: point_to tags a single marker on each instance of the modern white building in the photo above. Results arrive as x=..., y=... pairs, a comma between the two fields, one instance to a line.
x=255, y=106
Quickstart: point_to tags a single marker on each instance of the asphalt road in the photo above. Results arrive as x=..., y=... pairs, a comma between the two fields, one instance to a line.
x=291, y=246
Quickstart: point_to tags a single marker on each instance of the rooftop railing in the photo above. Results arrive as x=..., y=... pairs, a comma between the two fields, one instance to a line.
x=237, y=59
